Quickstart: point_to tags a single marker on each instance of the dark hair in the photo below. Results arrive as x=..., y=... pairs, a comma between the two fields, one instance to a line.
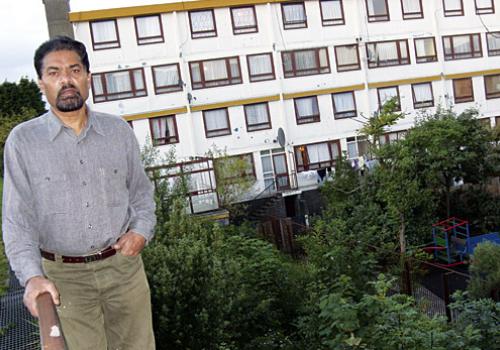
x=60, y=43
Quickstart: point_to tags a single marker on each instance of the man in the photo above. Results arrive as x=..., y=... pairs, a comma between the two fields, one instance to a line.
x=78, y=209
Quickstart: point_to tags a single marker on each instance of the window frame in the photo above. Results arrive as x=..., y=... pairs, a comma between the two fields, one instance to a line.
x=332, y=22
x=252, y=78
x=472, y=53
x=106, y=95
x=485, y=10
x=314, y=118
x=400, y=60
x=425, y=59
x=206, y=84
x=292, y=25
x=398, y=96
x=466, y=98
x=95, y=45
x=340, y=68
x=175, y=139
x=171, y=88
x=245, y=29
x=378, y=18
x=200, y=34
x=307, y=165
x=494, y=95
x=491, y=52
x=412, y=15
x=293, y=60
x=345, y=114
x=228, y=129
x=422, y=104
x=260, y=126
x=453, y=13
x=161, y=37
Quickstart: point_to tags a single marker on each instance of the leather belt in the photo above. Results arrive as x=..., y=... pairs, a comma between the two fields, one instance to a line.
x=101, y=255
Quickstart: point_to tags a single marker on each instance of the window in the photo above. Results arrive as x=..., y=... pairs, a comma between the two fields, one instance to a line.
x=148, y=30
x=317, y=155
x=260, y=67
x=347, y=57
x=344, y=105
x=493, y=41
x=462, y=90
x=202, y=24
x=244, y=20
x=163, y=130
x=377, y=10
x=387, y=53
x=357, y=146
x=392, y=137
x=484, y=7
x=294, y=15
x=257, y=116
x=458, y=47
x=217, y=72
x=388, y=93
x=422, y=95
x=412, y=9
x=117, y=85
x=332, y=12
x=228, y=167
x=492, y=86
x=306, y=109
x=453, y=8
x=425, y=50
x=166, y=78
x=485, y=122
x=305, y=62
x=216, y=122
x=104, y=34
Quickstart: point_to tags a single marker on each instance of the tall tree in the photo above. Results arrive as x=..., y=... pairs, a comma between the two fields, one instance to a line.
x=14, y=97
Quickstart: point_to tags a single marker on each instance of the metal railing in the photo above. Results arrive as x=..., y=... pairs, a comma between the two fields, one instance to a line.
x=51, y=336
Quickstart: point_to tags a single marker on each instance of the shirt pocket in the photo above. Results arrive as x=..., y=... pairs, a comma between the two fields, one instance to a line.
x=113, y=186
x=51, y=193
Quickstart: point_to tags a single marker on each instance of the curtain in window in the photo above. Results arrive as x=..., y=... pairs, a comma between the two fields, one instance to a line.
x=234, y=67
x=307, y=107
x=163, y=128
x=294, y=13
x=387, y=94
x=453, y=5
x=256, y=114
x=148, y=27
x=346, y=55
x=461, y=44
x=494, y=41
x=215, y=70
x=97, y=85
x=259, y=65
x=344, y=102
x=425, y=47
x=331, y=9
x=216, y=119
x=387, y=51
x=104, y=31
x=318, y=153
x=463, y=88
x=481, y=4
x=138, y=81
x=422, y=92
x=377, y=7
x=305, y=60
x=411, y=6
x=334, y=149
x=243, y=17
x=202, y=21
x=352, y=148
x=492, y=84
x=166, y=75
x=118, y=82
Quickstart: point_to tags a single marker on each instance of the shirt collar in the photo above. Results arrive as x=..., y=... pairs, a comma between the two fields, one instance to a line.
x=55, y=125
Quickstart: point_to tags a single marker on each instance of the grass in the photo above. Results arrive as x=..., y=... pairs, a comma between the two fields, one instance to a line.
x=4, y=267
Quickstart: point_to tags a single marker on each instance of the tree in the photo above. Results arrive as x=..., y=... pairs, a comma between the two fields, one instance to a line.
x=14, y=98
x=485, y=270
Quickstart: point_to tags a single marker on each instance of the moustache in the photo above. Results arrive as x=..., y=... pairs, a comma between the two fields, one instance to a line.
x=68, y=87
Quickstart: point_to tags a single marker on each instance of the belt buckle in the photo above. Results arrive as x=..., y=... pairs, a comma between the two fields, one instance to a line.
x=91, y=258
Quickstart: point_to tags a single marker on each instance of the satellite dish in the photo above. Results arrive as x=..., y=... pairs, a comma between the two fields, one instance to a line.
x=281, y=137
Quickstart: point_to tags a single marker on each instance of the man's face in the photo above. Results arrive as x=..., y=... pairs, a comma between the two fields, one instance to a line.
x=65, y=81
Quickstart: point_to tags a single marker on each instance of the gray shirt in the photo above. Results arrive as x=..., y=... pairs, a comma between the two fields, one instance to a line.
x=71, y=195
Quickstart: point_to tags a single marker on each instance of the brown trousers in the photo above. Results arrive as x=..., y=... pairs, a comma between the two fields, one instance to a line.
x=105, y=305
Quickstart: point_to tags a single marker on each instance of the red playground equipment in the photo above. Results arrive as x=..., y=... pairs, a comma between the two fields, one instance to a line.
x=453, y=243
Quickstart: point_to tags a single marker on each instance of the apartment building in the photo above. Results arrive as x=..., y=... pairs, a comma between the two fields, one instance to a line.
x=285, y=85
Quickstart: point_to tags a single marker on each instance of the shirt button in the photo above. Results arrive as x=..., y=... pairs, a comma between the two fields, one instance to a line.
x=84, y=183
x=90, y=226
x=81, y=161
x=92, y=247
x=87, y=204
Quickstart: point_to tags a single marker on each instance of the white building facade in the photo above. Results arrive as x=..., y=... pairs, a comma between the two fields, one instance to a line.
x=197, y=74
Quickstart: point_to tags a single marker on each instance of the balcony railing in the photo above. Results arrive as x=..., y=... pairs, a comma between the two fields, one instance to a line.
x=51, y=336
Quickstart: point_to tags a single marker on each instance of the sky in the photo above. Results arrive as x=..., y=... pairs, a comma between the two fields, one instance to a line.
x=23, y=27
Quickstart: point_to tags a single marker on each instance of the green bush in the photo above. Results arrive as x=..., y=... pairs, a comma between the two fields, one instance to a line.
x=485, y=270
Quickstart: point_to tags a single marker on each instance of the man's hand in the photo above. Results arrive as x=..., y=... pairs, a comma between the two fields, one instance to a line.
x=130, y=244
x=34, y=287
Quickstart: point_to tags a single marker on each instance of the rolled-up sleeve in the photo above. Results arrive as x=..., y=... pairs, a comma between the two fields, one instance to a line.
x=141, y=193
x=19, y=215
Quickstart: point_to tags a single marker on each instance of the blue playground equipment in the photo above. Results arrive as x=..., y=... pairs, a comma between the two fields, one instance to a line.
x=453, y=242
